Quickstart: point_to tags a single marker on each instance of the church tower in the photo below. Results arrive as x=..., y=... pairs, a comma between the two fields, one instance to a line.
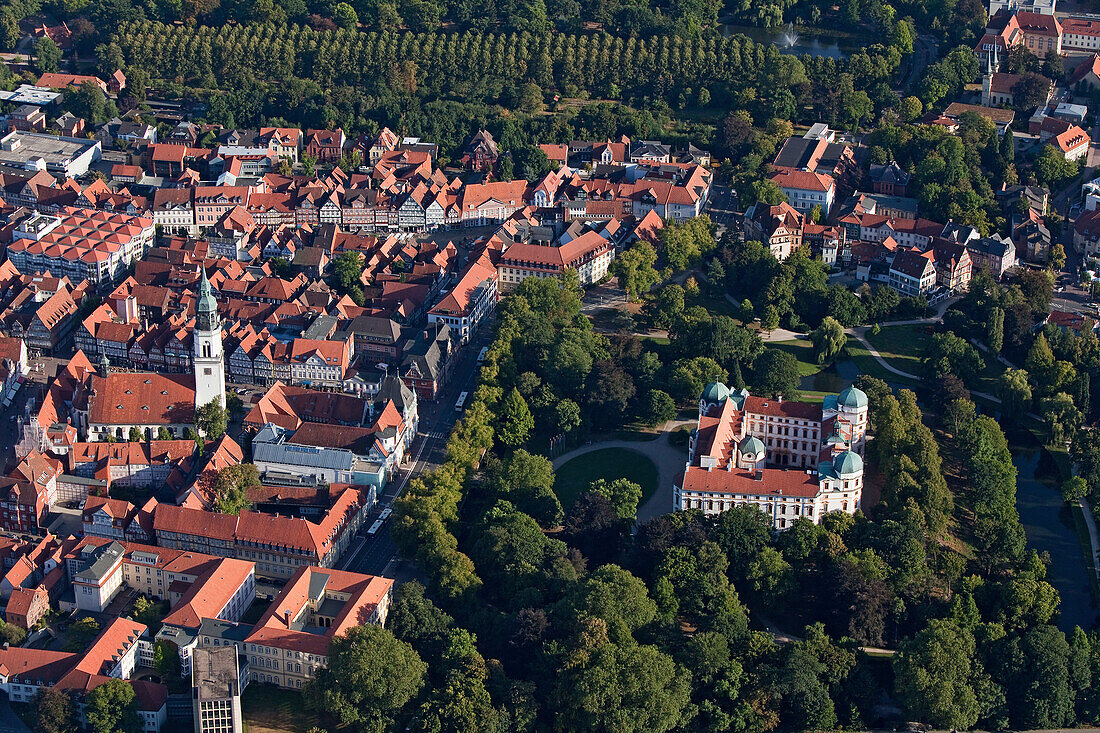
x=209, y=360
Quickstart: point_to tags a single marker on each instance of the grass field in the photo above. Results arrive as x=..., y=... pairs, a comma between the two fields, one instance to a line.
x=868, y=365
x=801, y=350
x=573, y=478
x=267, y=709
x=901, y=346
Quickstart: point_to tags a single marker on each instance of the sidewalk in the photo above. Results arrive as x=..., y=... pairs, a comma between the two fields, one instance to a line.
x=1094, y=536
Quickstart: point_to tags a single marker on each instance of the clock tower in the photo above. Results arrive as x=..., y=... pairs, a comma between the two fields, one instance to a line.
x=209, y=360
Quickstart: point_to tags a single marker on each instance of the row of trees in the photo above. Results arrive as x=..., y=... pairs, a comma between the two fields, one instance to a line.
x=359, y=80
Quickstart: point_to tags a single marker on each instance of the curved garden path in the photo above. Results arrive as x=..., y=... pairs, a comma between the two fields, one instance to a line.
x=668, y=459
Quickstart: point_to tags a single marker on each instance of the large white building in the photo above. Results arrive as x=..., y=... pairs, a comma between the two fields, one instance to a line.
x=806, y=190
x=1044, y=7
x=472, y=298
x=790, y=459
x=63, y=157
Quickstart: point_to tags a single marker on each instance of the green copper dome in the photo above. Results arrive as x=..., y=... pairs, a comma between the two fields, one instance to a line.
x=752, y=445
x=847, y=464
x=206, y=316
x=715, y=392
x=852, y=397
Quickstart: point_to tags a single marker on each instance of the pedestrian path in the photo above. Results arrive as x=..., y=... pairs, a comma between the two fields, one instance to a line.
x=854, y=333
x=668, y=459
x=1094, y=536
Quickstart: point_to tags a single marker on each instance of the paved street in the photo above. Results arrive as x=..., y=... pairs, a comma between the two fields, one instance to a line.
x=924, y=53
x=602, y=297
x=377, y=554
x=722, y=206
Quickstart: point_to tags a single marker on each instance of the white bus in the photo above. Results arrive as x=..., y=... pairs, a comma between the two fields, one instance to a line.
x=375, y=527
x=482, y=354
x=385, y=514
x=461, y=402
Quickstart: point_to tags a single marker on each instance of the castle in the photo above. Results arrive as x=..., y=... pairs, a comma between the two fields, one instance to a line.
x=790, y=459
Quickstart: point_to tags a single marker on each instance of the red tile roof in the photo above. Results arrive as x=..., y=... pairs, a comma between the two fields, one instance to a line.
x=803, y=180
x=363, y=593
x=142, y=398
x=210, y=593
x=785, y=408
x=1038, y=23
x=196, y=522
x=1071, y=139
x=774, y=482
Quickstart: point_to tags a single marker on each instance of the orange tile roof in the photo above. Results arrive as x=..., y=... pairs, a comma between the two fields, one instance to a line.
x=785, y=408
x=363, y=594
x=458, y=300
x=802, y=180
x=210, y=593
x=110, y=645
x=142, y=398
x=774, y=482
x=21, y=600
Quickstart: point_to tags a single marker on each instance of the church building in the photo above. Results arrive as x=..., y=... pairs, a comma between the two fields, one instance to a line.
x=118, y=401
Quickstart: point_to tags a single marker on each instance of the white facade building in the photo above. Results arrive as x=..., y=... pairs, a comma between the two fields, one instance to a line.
x=788, y=459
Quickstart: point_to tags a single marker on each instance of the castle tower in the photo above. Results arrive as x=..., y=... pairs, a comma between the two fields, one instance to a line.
x=209, y=360
x=852, y=407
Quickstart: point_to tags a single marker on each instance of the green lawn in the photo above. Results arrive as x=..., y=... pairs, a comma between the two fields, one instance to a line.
x=268, y=709
x=869, y=365
x=801, y=350
x=814, y=396
x=901, y=346
x=573, y=478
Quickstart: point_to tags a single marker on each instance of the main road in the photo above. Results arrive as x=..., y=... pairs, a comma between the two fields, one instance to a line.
x=377, y=554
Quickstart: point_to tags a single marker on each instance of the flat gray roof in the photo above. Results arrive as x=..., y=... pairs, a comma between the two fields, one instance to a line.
x=51, y=148
x=27, y=94
x=214, y=673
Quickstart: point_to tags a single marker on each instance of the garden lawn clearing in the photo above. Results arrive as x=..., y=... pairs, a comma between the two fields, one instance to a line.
x=901, y=346
x=573, y=478
x=268, y=709
x=803, y=351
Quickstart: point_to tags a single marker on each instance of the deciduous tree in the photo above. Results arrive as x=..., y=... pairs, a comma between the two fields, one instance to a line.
x=369, y=678
x=212, y=419
x=515, y=422
x=113, y=708
x=933, y=676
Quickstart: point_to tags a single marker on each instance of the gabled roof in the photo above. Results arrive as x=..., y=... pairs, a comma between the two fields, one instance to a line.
x=142, y=398
x=911, y=263
x=803, y=180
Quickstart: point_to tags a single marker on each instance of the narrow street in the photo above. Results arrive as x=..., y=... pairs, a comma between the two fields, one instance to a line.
x=377, y=554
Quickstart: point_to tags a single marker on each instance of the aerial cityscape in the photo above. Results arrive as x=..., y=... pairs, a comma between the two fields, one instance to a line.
x=549, y=365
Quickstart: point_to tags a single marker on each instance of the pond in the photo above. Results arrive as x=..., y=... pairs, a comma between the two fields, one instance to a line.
x=1049, y=526
x=833, y=378
x=796, y=41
